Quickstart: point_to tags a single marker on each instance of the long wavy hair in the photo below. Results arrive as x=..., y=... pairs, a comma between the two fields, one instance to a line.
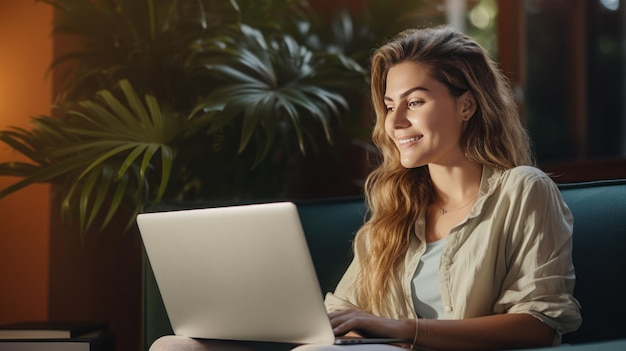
x=397, y=196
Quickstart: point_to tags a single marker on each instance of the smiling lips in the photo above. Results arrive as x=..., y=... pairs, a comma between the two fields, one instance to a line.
x=409, y=140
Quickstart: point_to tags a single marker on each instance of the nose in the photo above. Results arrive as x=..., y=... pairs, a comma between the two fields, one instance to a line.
x=398, y=119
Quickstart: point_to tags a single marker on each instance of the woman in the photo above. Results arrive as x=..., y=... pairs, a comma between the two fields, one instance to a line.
x=467, y=245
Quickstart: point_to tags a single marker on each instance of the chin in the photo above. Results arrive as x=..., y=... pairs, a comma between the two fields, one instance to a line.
x=410, y=165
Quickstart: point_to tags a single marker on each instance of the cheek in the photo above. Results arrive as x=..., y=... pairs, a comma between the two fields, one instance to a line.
x=388, y=126
x=442, y=120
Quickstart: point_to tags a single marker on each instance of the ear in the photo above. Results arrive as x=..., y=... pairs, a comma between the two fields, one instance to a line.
x=467, y=103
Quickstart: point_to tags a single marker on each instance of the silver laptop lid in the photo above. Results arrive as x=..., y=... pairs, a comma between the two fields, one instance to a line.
x=236, y=273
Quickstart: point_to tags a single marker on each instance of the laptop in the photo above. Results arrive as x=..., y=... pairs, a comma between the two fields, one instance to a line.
x=238, y=273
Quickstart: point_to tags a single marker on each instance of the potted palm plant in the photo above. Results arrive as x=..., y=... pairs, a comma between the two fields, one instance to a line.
x=180, y=100
x=202, y=99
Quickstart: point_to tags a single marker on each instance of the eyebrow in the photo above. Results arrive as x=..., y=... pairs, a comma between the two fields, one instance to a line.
x=406, y=93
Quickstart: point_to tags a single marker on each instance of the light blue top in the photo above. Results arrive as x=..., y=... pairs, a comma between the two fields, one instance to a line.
x=425, y=288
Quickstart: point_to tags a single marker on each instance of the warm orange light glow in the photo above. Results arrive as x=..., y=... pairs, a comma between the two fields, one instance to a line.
x=26, y=52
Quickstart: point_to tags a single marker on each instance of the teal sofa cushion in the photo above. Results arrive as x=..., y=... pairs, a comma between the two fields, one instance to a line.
x=330, y=226
x=599, y=254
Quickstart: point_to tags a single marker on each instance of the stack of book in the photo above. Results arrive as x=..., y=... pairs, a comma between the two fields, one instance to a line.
x=56, y=336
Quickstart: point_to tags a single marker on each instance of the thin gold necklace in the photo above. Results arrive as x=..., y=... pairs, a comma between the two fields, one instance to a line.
x=444, y=211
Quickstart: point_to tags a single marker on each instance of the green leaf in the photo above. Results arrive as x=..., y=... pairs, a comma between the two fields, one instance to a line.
x=130, y=159
x=17, y=169
x=106, y=156
x=47, y=174
x=135, y=104
x=252, y=116
x=147, y=157
x=118, y=197
x=167, y=159
x=292, y=113
x=156, y=115
x=120, y=111
x=18, y=140
x=85, y=194
x=101, y=194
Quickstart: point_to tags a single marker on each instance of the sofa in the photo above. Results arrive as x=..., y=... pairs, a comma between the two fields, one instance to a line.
x=599, y=254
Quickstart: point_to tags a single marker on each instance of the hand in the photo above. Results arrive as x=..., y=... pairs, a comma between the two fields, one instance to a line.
x=368, y=325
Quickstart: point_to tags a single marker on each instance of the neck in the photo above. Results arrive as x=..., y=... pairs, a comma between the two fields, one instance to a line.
x=455, y=184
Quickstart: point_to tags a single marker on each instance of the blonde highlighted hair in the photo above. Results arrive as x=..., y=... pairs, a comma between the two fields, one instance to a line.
x=397, y=196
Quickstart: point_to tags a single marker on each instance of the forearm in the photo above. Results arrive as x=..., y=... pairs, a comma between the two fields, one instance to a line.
x=504, y=331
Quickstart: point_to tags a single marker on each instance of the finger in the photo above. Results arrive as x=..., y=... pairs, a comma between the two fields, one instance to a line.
x=339, y=317
x=347, y=322
x=343, y=327
x=341, y=313
x=338, y=320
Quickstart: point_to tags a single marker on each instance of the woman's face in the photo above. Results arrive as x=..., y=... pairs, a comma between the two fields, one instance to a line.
x=423, y=120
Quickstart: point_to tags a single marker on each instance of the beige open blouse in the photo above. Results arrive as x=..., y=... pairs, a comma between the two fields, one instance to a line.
x=512, y=254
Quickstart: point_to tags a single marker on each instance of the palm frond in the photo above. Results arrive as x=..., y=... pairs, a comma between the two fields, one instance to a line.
x=272, y=81
x=107, y=141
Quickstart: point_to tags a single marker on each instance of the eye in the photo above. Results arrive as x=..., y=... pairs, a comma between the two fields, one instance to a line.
x=415, y=104
x=390, y=108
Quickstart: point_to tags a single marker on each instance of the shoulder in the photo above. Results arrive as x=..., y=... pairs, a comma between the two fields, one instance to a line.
x=526, y=177
x=530, y=198
x=529, y=186
x=522, y=182
x=525, y=174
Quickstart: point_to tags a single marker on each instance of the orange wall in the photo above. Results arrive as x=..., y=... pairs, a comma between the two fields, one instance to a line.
x=25, y=54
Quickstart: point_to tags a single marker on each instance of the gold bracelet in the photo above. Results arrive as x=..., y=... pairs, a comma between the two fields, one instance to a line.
x=415, y=337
